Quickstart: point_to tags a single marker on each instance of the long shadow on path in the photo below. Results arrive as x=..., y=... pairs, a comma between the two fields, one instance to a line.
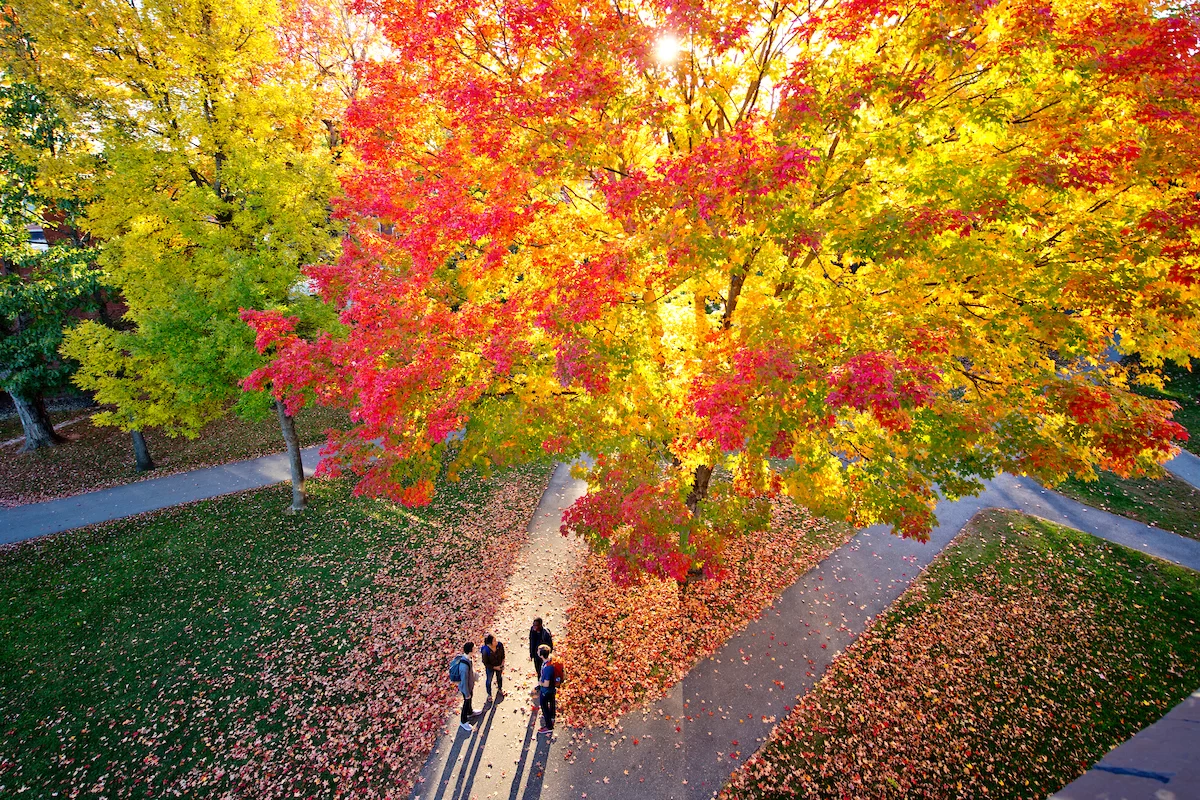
x=506, y=758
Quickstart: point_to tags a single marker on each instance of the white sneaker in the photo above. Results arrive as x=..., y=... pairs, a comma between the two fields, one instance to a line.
x=466, y=726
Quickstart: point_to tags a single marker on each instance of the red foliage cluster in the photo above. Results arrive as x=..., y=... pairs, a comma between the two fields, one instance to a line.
x=884, y=385
x=1126, y=428
x=722, y=398
x=638, y=523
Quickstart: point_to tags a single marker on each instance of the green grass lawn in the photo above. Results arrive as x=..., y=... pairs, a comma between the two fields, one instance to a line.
x=228, y=647
x=1020, y=657
x=1169, y=503
x=1183, y=386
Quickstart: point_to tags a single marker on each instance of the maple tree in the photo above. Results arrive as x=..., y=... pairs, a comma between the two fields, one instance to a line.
x=848, y=250
x=216, y=127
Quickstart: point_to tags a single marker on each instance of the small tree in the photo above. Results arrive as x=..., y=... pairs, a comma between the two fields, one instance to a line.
x=219, y=159
x=39, y=296
x=40, y=292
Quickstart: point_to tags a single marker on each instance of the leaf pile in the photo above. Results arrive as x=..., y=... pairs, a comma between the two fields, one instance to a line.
x=1021, y=657
x=228, y=650
x=626, y=647
x=97, y=458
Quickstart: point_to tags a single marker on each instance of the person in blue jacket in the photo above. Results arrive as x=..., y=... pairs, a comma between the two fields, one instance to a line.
x=547, y=688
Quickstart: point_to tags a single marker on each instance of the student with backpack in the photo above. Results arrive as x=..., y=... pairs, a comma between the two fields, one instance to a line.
x=492, y=656
x=539, y=635
x=462, y=672
x=548, y=684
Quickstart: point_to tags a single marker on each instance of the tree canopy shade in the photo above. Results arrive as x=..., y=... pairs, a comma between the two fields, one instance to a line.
x=849, y=250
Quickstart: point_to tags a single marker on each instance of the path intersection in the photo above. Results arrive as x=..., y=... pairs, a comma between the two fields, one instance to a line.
x=684, y=746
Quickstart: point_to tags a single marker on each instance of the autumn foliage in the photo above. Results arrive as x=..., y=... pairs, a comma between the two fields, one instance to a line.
x=847, y=250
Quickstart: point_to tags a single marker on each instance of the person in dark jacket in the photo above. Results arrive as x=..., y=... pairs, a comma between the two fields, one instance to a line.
x=492, y=656
x=539, y=635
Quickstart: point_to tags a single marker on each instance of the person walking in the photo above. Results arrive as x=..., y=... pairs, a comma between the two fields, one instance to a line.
x=492, y=656
x=462, y=670
x=538, y=635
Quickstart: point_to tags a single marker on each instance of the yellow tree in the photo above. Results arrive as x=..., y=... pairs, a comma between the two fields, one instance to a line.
x=215, y=122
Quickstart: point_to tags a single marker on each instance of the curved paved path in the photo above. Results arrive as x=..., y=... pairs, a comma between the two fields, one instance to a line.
x=152, y=494
x=1186, y=467
x=685, y=745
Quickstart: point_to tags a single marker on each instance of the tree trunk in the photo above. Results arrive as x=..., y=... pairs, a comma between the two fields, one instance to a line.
x=141, y=453
x=700, y=479
x=287, y=424
x=39, y=431
x=699, y=490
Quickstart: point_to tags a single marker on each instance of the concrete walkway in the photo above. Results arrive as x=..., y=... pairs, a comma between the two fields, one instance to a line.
x=1186, y=467
x=505, y=755
x=52, y=516
x=685, y=745
x=1161, y=762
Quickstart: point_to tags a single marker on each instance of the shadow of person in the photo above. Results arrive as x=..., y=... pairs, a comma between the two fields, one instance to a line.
x=466, y=777
x=537, y=771
x=462, y=738
x=533, y=760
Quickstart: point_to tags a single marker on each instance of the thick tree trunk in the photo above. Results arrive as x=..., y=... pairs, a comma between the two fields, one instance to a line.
x=287, y=424
x=39, y=431
x=141, y=453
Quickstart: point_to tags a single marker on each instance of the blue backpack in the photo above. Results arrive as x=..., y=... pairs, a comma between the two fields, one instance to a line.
x=456, y=673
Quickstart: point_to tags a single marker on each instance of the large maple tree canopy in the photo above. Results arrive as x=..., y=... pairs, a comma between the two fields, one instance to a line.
x=848, y=250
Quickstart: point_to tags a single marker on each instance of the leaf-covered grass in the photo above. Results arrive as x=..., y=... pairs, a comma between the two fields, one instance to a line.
x=1023, y=654
x=1169, y=503
x=1182, y=386
x=96, y=458
x=227, y=649
x=626, y=647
